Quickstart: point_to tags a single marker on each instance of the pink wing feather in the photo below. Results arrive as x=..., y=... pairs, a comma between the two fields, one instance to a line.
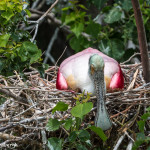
x=112, y=69
x=87, y=51
x=117, y=81
x=61, y=83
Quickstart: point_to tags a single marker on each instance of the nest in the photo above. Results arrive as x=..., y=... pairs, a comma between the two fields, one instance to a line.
x=28, y=105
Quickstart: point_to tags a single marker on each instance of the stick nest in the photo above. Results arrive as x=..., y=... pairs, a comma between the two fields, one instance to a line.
x=28, y=105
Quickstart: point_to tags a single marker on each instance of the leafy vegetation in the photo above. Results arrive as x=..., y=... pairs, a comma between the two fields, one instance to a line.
x=109, y=32
x=141, y=137
x=78, y=136
x=16, y=50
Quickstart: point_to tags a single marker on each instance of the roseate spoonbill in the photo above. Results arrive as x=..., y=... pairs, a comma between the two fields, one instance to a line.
x=94, y=72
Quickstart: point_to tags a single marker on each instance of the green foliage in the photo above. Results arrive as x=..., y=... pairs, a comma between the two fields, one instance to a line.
x=81, y=109
x=99, y=132
x=4, y=39
x=2, y=100
x=110, y=34
x=112, y=47
x=114, y=15
x=55, y=143
x=29, y=51
x=141, y=137
x=98, y=3
x=61, y=106
x=77, y=137
x=53, y=124
x=16, y=50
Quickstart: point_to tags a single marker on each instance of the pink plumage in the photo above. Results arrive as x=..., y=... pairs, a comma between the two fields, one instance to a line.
x=74, y=72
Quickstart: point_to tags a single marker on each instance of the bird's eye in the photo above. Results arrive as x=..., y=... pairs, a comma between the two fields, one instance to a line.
x=92, y=69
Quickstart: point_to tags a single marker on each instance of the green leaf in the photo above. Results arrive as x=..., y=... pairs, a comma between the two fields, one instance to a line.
x=148, y=148
x=10, y=5
x=28, y=12
x=2, y=64
x=41, y=69
x=148, y=109
x=70, y=18
x=73, y=136
x=53, y=125
x=4, y=39
x=115, y=14
x=145, y=116
x=113, y=48
x=36, y=56
x=19, y=7
x=55, y=143
x=2, y=50
x=7, y=14
x=81, y=147
x=129, y=33
x=68, y=124
x=2, y=5
x=29, y=51
x=61, y=106
x=99, y=3
x=99, y=132
x=82, y=6
x=77, y=28
x=75, y=43
x=81, y=109
x=2, y=100
x=141, y=125
x=79, y=43
x=93, y=29
x=139, y=140
x=66, y=8
x=83, y=135
x=126, y=5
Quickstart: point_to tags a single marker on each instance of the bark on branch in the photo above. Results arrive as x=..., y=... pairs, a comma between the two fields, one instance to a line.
x=142, y=40
x=10, y=94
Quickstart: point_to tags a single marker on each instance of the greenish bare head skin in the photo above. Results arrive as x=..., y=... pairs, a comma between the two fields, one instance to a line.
x=96, y=63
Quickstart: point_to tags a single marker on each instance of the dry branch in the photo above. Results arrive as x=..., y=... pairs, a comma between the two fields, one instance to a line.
x=17, y=118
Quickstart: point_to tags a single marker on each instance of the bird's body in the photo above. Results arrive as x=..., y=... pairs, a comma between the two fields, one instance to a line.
x=94, y=72
x=73, y=72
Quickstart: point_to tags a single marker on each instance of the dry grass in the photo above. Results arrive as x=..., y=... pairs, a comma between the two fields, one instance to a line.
x=28, y=106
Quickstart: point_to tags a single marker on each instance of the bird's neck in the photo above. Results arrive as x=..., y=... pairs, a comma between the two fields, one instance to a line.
x=102, y=119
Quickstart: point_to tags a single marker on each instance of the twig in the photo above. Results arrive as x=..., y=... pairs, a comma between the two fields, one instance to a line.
x=8, y=136
x=122, y=111
x=119, y=142
x=129, y=136
x=130, y=58
x=59, y=23
x=23, y=137
x=41, y=5
x=35, y=3
x=13, y=124
x=41, y=18
x=48, y=51
x=130, y=145
x=10, y=94
x=133, y=81
x=60, y=57
x=44, y=138
x=24, y=111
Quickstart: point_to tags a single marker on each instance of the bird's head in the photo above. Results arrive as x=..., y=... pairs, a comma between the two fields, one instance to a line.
x=96, y=71
x=96, y=63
